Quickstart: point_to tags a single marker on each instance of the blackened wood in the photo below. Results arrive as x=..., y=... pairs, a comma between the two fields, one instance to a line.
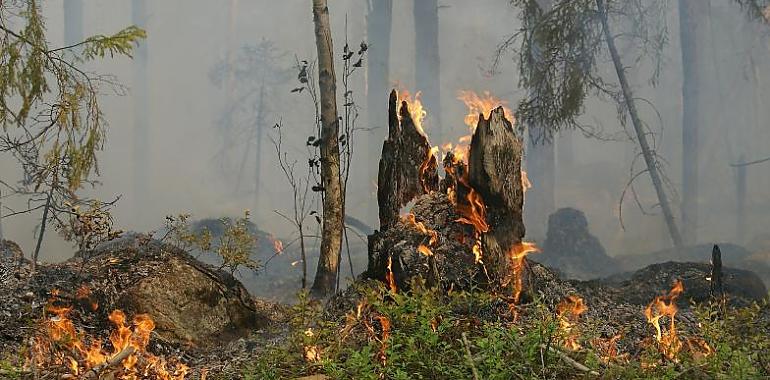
x=406, y=169
x=494, y=170
x=717, y=288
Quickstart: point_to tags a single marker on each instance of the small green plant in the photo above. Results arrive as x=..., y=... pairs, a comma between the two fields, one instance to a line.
x=234, y=246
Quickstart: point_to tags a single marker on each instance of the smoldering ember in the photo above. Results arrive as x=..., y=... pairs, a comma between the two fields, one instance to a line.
x=380, y=189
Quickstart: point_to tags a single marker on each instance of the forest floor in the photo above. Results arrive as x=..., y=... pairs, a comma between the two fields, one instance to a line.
x=371, y=331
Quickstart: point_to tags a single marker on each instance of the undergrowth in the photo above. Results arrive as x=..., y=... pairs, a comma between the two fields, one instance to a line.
x=427, y=334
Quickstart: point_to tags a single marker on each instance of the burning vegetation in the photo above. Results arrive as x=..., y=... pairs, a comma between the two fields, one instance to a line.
x=61, y=347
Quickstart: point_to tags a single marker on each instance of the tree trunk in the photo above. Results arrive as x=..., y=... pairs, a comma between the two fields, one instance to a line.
x=541, y=171
x=541, y=166
x=427, y=63
x=378, y=27
x=73, y=22
x=647, y=153
x=494, y=171
x=331, y=239
x=259, y=125
x=689, y=12
x=141, y=110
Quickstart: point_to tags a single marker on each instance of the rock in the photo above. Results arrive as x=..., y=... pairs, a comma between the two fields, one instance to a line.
x=741, y=286
x=11, y=250
x=190, y=302
x=572, y=250
x=733, y=255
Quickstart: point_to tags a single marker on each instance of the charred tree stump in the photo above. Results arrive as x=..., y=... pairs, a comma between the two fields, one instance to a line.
x=717, y=289
x=407, y=170
x=494, y=171
x=464, y=229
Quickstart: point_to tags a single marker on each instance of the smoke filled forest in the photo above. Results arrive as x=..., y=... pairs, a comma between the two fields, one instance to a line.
x=384, y=189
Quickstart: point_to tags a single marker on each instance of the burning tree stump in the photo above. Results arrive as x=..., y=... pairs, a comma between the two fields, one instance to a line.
x=463, y=230
x=494, y=169
x=407, y=170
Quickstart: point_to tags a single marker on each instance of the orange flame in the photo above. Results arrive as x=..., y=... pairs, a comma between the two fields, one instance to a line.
x=424, y=250
x=569, y=311
x=389, y=276
x=415, y=108
x=517, y=254
x=65, y=346
x=661, y=306
x=483, y=104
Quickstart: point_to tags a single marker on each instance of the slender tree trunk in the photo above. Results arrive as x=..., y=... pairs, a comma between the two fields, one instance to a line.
x=689, y=12
x=541, y=171
x=43, y=222
x=427, y=63
x=73, y=22
x=647, y=153
x=258, y=146
x=331, y=230
x=141, y=110
x=740, y=197
x=378, y=27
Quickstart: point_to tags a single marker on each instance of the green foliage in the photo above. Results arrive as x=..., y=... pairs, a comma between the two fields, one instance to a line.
x=50, y=114
x=120, y=43
x=234, y=246
x=419, y=335
x=740, y=352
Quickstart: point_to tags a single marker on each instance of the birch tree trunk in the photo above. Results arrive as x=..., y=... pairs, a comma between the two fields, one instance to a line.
x=647, y=153
x=689, y=13
x=331, y=239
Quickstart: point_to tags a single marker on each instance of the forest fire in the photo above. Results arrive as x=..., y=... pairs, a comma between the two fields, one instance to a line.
x=517, y=255
x=415, y=108
x=569, y=311
x=661, y=306
x=63, y=347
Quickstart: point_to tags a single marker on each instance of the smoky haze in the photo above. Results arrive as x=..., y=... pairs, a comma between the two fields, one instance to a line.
x=188, y=40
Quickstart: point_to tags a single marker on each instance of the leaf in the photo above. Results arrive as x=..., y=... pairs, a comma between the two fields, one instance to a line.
x=317, y=142
x=358, y=64
x=298, y=89
x=318, y=188
x=364, y=47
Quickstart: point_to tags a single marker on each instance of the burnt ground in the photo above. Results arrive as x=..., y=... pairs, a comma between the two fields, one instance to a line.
x=243, y=327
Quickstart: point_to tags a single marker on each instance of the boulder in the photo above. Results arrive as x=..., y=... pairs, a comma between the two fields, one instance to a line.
x=571, y=249
x=741, y=286
x=191, y=302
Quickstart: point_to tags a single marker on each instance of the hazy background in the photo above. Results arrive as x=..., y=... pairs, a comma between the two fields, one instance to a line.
x=188, y=39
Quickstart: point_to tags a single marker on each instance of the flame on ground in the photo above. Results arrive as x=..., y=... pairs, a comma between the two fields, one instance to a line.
x=607, y=348
x=569, y=311
x=665, y=305
x=517, y=255
x=63, y=346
